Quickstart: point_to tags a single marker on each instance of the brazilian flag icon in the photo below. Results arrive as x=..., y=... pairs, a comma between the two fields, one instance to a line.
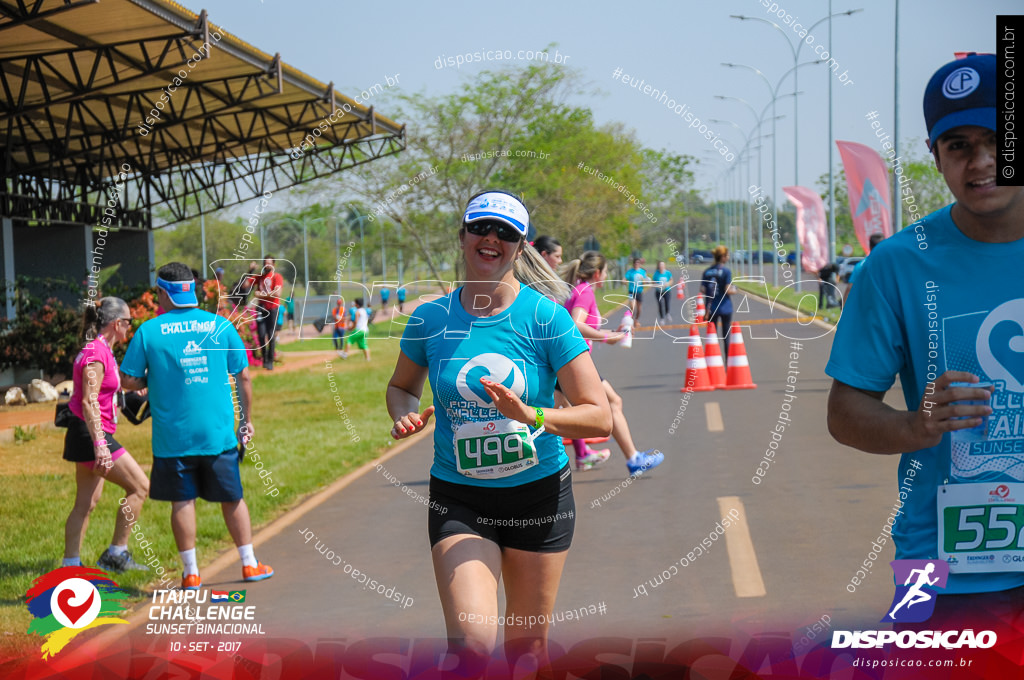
x=237, y=596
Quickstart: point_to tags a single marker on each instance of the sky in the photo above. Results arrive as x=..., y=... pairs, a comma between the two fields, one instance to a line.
x=677, y=47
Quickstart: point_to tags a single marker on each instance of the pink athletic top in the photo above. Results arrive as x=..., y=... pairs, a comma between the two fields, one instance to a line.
x=583, y=296
x=97, y=351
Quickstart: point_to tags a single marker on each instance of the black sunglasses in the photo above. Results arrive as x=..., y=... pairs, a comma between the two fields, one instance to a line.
x=504, y=231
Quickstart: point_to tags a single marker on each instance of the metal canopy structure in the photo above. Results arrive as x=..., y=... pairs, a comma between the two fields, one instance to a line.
x=79, y=79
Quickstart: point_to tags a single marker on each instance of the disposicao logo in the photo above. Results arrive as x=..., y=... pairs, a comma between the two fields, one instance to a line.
x=914, y=602
x=69, y=600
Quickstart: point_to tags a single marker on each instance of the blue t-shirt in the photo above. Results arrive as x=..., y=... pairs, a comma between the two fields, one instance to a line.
x=917, y=311
x=715, y=286
x=523, y=348
x=186, y=356
x=384, y=294
x=636, y=279
x=662, y=277
x=401, y=294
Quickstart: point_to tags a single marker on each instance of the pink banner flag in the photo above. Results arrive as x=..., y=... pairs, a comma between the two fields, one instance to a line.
x=810, y=227
x=867, y=184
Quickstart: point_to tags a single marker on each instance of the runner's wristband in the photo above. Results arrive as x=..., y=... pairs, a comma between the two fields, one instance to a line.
x=100, y=442
x=539, y=422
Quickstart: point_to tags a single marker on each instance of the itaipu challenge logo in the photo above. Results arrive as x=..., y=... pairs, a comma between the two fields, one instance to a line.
x=69, y=601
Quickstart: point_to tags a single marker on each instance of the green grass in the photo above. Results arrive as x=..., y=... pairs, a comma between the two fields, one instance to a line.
x=805, y=302
x=301, y=440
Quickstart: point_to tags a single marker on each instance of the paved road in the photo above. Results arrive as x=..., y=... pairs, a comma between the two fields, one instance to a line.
x=805, y=529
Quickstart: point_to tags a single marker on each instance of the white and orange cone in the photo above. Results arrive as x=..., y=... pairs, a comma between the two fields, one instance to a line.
x=713, y=357
x=700, y=308
x=738, y=371
x=696, y=379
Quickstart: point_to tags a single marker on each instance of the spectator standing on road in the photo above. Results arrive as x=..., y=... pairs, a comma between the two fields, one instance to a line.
x=663, y=280
x=400, y=294
x=493, y=349
x=289, y=305
x=873, y=241
x=828, y=276
x=937, y=332
x=185, y=358
x=89, y=441
x=267, y=286
x=716, y=285
x=636, y=277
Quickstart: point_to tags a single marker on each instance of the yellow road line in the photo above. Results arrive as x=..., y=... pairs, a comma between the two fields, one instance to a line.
x=713, y=413
x=746, y=574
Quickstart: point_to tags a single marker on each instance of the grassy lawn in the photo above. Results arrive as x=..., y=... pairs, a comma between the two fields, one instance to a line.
x=805, y=302
x=300, y=437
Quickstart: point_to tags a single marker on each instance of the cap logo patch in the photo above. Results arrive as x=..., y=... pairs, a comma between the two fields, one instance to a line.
x=961, y=83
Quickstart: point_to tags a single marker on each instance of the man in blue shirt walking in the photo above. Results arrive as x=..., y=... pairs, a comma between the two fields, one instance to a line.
x=185, y=357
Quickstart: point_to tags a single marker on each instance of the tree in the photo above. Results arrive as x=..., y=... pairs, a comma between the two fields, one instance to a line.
x=512, y=128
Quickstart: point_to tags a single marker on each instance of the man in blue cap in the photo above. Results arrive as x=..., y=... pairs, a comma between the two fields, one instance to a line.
x=185, y=357
x=941, y=304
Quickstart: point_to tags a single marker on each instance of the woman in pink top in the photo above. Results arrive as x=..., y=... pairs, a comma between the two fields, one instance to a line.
x=90, y=442
x=583, y=275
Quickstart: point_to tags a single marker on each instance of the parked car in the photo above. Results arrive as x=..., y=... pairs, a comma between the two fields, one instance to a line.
x=701, y=256
x=766, y=256
x=846, y=268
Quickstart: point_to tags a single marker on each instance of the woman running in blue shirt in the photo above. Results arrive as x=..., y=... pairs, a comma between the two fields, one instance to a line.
x=500, y=489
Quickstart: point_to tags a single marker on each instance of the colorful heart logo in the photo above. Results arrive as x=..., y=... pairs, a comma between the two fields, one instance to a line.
x=74, y=612
x=75, y=603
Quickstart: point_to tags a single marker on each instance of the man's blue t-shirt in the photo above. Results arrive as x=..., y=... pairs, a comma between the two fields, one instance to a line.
x=715, y=286
x=636, y=277
x=186, y=356
x=523, y=348
x=384, y=295
x=662, y=277
x=917, y=311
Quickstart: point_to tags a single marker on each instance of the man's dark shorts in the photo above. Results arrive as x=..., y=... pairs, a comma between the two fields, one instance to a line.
x=213, y=478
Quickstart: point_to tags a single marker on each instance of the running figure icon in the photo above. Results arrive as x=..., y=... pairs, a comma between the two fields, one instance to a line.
x=916, y=595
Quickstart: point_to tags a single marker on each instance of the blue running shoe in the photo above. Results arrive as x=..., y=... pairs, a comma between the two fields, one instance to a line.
x=645, y=460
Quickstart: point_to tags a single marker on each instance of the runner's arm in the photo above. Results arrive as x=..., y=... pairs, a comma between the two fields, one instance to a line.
x=859, y=418
x=403, y=398
x=131, y=383
x=243, y=384
x=92, y=378
x=579, y=315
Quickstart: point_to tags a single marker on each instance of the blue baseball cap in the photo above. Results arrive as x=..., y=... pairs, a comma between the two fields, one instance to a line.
x=497, y=205
x=182, y=293
x=963, y=92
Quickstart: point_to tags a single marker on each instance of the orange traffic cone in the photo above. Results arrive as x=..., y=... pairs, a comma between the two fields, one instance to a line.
x=680, y=290
x=738, y=373
x=700, y=308
x=696, y=379
x=713, y=356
